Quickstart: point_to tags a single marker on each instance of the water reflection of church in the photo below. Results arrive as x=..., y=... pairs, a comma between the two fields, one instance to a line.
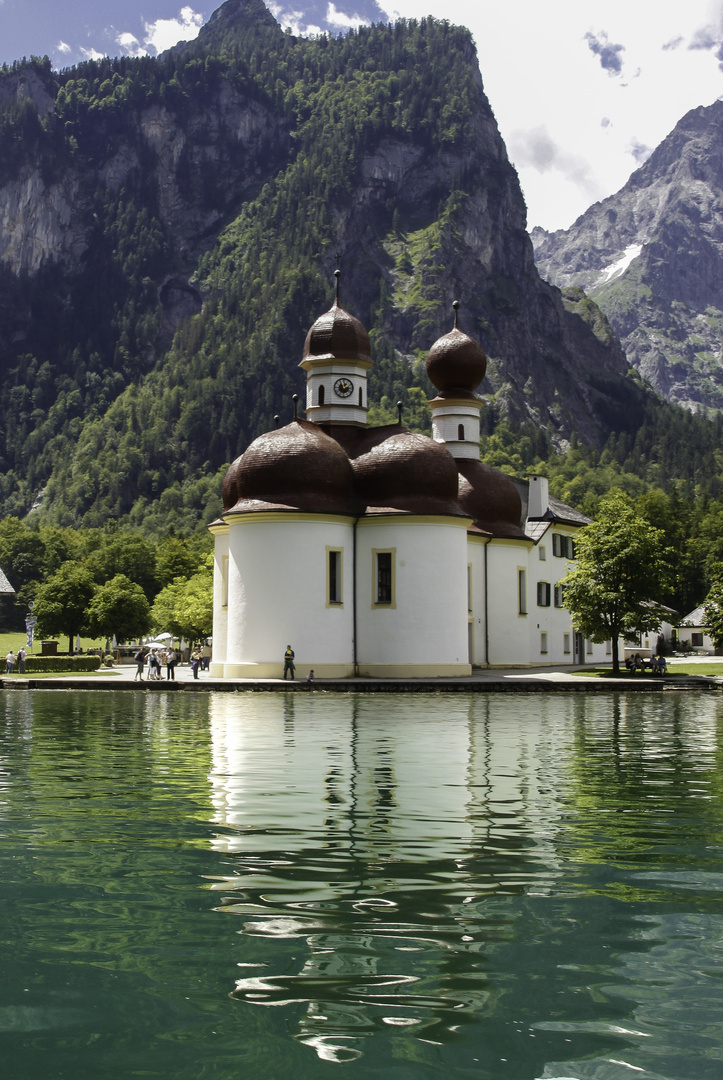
x=382, y=552
x=360, y=883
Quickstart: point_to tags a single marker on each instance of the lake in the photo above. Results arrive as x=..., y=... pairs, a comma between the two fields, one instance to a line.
x=250, y=885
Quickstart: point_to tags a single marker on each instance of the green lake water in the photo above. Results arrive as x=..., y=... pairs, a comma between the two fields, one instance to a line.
x=253, y=886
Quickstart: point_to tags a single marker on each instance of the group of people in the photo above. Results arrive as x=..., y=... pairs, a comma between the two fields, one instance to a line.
x=11, y=659
x=154, y=660
x=657, y=663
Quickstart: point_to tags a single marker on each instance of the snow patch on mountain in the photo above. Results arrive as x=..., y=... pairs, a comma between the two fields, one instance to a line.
x=617, y=269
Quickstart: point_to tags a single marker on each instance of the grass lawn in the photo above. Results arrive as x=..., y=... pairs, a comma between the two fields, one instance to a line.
x=13, y=639
x=674, y=668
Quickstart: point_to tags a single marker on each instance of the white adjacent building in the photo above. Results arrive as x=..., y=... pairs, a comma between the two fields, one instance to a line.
x=382, y=552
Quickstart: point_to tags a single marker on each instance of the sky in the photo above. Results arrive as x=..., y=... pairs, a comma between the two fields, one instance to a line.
x=582, y=92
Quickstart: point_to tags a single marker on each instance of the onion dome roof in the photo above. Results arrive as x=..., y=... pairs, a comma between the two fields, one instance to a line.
x=456, y=362
x=337, y=335
x=297, y=467
x=400, y=471
x=489, y=497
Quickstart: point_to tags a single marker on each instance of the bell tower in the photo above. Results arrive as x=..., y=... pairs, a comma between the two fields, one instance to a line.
x=336, y=359
x=456, y=365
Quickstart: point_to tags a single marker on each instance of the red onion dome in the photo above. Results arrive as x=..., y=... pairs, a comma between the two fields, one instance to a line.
x=456, y=361
x=296, y=467
x=396, y=469
x=337, y=335
x=490, y=498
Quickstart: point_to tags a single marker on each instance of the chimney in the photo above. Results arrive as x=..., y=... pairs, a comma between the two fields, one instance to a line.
x=538, y=499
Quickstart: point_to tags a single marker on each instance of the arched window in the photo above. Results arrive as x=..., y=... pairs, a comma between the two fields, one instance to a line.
x=321, y=395
x=460, y=432
x=361, y=398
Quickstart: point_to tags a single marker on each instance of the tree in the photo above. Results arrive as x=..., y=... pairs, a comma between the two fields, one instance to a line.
x=62, y=602
x=622, y=571
x=185, y=608
x=714, y=608
x=119, y=607
x=127, y=555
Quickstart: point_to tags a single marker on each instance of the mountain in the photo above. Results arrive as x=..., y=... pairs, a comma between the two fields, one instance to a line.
x=169, y=229
x=651, y=256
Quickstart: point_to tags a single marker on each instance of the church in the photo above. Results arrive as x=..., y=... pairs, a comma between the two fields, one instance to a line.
x=380, y=552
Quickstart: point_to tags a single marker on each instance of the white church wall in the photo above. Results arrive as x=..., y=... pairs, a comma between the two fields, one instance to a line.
x=220, y=599
x=278, y=595
x=476, y=569
x=422, y=631
x=509, y=602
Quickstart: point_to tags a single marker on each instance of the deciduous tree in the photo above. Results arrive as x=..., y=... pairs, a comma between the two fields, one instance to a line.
x=62, y=602
x=621, y=572
x=119, y=607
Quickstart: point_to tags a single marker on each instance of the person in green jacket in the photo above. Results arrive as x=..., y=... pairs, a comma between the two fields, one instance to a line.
x=289, y=661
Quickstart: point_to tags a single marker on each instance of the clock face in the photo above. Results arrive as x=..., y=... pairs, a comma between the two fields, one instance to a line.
x=343, y=388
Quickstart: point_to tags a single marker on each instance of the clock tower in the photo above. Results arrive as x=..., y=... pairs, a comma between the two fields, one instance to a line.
x=336, y=360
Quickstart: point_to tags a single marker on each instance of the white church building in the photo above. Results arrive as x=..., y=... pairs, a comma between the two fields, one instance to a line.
x=382, y=552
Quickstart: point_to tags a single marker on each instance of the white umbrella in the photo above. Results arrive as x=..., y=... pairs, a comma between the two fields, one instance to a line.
x=164, y=636
x=155, y=645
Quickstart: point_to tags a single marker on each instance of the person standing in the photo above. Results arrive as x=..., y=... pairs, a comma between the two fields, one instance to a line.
x=140, y=664
x=9, y=662
x=196, y=661
x=171, y=664
x=21, y=660
x=289, y=661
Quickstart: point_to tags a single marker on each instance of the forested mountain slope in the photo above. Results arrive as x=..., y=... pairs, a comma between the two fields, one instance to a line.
x=206, y=194
x=652, y=257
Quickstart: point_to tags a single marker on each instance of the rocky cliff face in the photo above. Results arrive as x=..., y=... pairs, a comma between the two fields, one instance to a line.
x=201, y=189
x=652, y=257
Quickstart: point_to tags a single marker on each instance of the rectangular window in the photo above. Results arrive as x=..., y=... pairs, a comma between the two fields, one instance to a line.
x=522, y=592
x=334, y=576
x=696, y=641
x=563, y=546
x=469, y=587
x=566, y=643
x=224, y=584
x=543, y=642
x=543, y=593
x=543, y=552
x=559, y=596
x=383, y=581
x=588, y=647
x=608, y=648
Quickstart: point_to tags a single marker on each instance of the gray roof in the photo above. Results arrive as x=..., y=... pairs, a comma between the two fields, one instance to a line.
x=535, y=530
x=567, y=515
x=696, y=618
x=5, y=586
x=558, y=512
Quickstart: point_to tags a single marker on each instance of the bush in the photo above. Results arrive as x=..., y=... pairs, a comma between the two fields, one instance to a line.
x=73, y=664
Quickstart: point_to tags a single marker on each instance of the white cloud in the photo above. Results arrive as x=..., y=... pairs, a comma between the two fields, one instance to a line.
x=130, y=45
x=292, y=20
x=164, y=33
x=62, y=46
x=346, y=22
x=91, y=53
x=536, y=149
